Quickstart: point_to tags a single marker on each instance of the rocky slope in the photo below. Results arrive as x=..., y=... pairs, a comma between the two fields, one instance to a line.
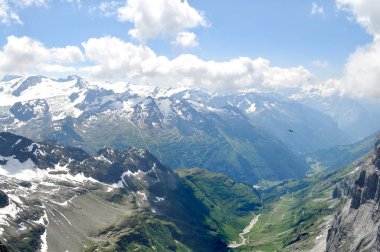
x=356, y=226
x=59, y=198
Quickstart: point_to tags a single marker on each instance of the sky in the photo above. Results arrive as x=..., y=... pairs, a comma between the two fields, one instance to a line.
x=216, y=44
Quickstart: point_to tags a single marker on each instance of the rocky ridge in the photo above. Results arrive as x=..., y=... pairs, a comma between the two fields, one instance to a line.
x=182, y=127
x=356, y=226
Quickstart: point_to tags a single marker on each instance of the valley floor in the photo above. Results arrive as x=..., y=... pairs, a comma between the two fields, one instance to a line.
x=246, y=230
x=299, y=219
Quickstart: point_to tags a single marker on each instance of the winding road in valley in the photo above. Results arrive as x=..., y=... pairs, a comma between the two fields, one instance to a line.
x=246, y=230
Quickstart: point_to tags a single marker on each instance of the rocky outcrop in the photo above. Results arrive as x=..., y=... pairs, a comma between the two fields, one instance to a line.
x=3, y=248
x=25, y=111
x=376, y=161
x=357, y=226
x=4, y=200
x=342, y=189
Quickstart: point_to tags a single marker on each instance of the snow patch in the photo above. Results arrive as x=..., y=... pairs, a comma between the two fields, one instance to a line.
x=159, y=199
x=143, y=194
x=252, y=108
x=9, y=211
x=165, y=106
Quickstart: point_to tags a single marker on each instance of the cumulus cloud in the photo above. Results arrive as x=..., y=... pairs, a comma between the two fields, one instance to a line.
x=330, y=87
x=159, y=18
x=317, y=9
x=110, y=58
x=55, y=68
x=114, y=58
x=186, y=40
x=362, y=70
x=365, y=12
x=23, y=54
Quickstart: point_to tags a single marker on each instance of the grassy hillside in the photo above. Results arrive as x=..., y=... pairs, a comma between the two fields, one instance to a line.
x=231, y=204
x=343, y=155
x=204, y=212
x=296, y=214
x=233, y=147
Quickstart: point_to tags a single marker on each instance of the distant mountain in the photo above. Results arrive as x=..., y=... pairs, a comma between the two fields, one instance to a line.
x=57, y=198
x=300, y=127
x=357, y=118
x=343, y=155
x=184, y=128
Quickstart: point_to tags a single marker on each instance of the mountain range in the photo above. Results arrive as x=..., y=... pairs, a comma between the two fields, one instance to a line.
x=55, y=197
x=63, y=199
x=237, y=135
x=123, y=167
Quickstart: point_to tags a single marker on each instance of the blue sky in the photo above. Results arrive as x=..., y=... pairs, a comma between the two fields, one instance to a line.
x=283, y=31
x=286, y=33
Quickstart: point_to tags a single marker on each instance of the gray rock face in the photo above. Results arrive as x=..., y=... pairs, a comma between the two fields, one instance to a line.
x=4, y=200
x=25, y=84
x=3, y=248
x=357, y=226
x=377, y=157
x=336, y=193
x=25, y=111
x=342, y=189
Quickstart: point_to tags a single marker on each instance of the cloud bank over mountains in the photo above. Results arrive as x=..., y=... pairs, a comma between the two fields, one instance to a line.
x=113, y=59
x=110, y=58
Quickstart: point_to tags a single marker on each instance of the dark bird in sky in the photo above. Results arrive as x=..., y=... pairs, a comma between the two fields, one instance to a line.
x=291, y=131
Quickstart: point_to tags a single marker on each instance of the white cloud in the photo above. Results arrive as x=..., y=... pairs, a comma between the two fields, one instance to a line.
x=159, y=18
x=23, y=54
x=7, y=14
x=110, y=58
x=9, y=8
x=362, y=71
x=320, y=63
x=186, y=40
x=328, y=88
x=317, y=9
x=55, y=68
x=366, y=13
x=116, y=59
x=107, y=8
x=28, y=3
x=64, y=55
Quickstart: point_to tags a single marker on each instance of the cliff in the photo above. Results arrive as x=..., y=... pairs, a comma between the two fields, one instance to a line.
x=357, y=226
